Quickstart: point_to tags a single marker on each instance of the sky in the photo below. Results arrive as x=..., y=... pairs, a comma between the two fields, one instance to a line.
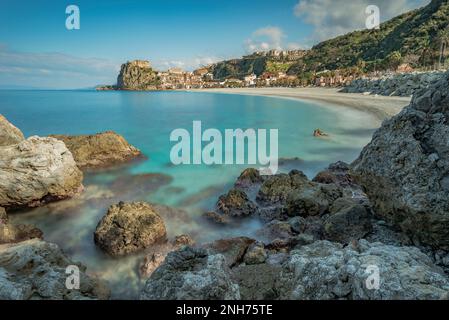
x=38, y=51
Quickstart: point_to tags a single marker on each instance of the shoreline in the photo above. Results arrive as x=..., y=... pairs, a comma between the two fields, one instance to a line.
x=381, y=107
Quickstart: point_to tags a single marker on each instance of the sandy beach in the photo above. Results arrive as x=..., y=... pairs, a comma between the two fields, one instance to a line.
x=379, y=106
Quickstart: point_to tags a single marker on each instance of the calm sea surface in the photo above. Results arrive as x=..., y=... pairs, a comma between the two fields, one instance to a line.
x=146, y=120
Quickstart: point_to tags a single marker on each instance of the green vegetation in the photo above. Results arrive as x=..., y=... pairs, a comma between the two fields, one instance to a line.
x=415, y=38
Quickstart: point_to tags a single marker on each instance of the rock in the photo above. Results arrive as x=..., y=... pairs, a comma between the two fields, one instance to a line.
x=101, y=150
x=398, y=84
x=255, y=254
x=249, y=178
x=35, y=269
x=216, y=218
x=37, y=171
x=257, y=282
x=276, y=189
x=151, y=262
x=337, y=173
x=325, y=271
x=351, y=223
x=308, y=202
x=318, y=133
x=129, y=228
x=236, y=204
x=404, y=169
x=276, y=230
x=159, y=252
x=191, y=274
x=137, y=75
x=3, y=216
x=9, y=134
x=233, y=249
x=11, y=233
x=183, y=240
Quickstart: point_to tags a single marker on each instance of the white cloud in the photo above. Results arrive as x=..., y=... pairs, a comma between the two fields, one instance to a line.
x=187, y=64
x=265, y=39
x=331, y=18
x=54, y=70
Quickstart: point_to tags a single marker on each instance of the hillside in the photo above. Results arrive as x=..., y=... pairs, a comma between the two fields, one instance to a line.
x=414, y=37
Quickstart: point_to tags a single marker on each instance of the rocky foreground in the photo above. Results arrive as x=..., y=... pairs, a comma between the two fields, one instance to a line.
x=34, y=172
x=402, y=85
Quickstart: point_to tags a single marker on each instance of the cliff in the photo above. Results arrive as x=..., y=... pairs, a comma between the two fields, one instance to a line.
x=137, y=75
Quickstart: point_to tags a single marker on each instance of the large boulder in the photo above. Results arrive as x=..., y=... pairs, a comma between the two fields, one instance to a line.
x=191, y=274
x=37, y=171
x=129, y=228
x=99, y=150
x=9, y=134
x=35, y=269
x=405, y=168
x=327, y=271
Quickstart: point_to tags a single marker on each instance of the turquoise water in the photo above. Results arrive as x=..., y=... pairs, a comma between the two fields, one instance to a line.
x=146, y=119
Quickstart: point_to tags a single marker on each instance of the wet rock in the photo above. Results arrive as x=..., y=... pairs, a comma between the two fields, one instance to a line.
x=404, y=169
x=100, y=150
x=216, y=218
x=308, y=202
x=191, y=274
x=255, y=254
x=297, y=224
x=9, y=134
x=35, y=269
x=12, y=233
x=336, y=173
x=158, y=253
x=276, y=230
x=129, y=228
x=37, y=171
x=276, y=189
x=236, y=204
x=183, y=240
x=249, y=178
x=233, y=249
x=348, y=224
x=325, y=270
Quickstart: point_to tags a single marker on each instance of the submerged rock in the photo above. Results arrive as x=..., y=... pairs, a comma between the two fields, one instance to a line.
x=9, y=134
x=99, y=150
x=404, y=169
x=129, y=228
x=35, y=269
x=191, y=274
x=37, y=171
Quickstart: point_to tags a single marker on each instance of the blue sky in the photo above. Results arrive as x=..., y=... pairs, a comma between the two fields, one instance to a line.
x=36, y=49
